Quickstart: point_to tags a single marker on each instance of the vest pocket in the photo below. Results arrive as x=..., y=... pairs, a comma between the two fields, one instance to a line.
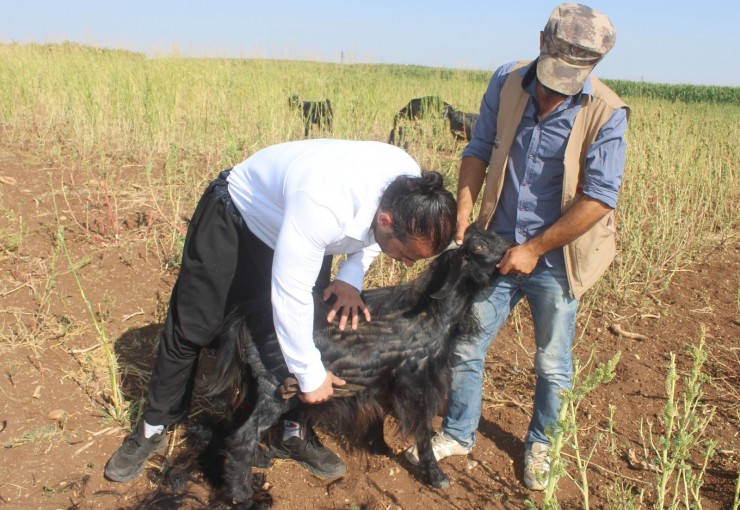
x=593, y=252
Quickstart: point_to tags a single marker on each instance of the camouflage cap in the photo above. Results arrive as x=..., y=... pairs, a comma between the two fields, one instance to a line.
x=576, y=38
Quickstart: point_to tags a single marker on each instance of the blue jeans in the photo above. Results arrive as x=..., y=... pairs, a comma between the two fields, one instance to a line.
x=554, y=316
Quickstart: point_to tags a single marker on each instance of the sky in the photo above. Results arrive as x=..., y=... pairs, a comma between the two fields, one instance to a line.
x=659, y=41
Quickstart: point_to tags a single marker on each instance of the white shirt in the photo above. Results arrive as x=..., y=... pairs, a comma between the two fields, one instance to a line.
x=305, y=200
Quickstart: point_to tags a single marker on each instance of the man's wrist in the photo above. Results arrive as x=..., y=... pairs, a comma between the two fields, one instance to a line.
x=311, y=380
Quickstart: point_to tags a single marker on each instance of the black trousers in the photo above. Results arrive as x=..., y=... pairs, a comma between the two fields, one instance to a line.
x=223, y=264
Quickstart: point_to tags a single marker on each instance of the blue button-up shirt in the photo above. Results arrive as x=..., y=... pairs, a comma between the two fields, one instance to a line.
x=533, y=187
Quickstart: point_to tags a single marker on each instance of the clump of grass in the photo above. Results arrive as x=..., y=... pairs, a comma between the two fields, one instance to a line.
x=13, y=231
x=40, y=433
x=116, y=406
x=612, y=436
x=624, y=496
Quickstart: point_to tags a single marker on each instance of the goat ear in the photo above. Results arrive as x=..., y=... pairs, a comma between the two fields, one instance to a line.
x=453, y=278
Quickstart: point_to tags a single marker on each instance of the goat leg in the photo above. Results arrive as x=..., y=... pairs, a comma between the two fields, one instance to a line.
x=375, y=440
x=428, y=463
x=243, y=444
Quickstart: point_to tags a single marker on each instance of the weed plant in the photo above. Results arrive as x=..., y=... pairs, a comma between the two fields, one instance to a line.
x=115, y=405
x=567, y=434
x=685, y=421
x=671, y=454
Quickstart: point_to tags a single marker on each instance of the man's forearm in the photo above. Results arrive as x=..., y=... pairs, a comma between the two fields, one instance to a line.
x=577, y=220
x=470, y=181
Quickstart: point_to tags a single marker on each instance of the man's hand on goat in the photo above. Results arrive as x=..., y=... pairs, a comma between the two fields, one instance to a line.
x=323, y=392
x=462, y=225
x=520, y=259
x=349, y=301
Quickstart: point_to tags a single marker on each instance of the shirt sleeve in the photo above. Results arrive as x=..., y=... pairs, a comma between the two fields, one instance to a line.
x=484, y=133
x=352, y=270
x=307, y=228
x=605, y=160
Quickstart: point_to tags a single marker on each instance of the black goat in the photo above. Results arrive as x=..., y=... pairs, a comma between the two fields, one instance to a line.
x=417, y=108
x=462, y=124
x=399, y=360
x=314, y=112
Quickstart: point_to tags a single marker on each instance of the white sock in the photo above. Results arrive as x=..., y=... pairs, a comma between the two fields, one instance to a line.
x=150, y=430
x=291, y=429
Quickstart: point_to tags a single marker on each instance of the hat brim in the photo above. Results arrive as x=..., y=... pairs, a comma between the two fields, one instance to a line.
x=560, y=76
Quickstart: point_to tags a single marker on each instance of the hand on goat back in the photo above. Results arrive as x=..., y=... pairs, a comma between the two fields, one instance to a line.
x=347, y=299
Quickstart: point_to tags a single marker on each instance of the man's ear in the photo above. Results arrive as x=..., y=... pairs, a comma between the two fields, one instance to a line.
x=385, y=219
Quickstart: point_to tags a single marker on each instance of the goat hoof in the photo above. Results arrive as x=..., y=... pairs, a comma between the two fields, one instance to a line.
x=249, y=505
x=241, y=499
x=379, y=448
x=262, y=458
x=441, y=482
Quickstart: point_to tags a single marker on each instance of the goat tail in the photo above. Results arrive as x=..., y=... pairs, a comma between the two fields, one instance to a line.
x=232, y=368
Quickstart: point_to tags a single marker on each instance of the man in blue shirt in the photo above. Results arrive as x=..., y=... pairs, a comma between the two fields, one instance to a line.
x=531, y=209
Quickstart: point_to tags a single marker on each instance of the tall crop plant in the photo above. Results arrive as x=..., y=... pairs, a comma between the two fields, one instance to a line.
x=680, y=189
x=183, y=120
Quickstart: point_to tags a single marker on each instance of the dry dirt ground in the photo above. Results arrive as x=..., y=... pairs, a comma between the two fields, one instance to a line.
x=56, y=438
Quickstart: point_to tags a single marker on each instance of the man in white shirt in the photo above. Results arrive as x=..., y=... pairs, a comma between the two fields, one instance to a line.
x=272, y=224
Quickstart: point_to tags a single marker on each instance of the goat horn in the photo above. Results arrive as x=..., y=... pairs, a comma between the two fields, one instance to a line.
x=452, y=246
x=289, y=388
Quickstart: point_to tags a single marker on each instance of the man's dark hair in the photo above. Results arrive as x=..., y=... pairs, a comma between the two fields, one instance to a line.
x=421, y=208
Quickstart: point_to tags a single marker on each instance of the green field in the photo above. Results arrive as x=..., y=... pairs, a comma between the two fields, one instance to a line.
x=70, y=102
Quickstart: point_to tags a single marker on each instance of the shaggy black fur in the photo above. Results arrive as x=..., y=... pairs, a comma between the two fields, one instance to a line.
x=417, y=108
x=401, y=358
x=314, y=112
x=180, y=481
x=461, y=123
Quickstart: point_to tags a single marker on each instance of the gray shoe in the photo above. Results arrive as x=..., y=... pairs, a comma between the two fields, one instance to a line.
x=129, y=459
x=536, y=466
x=442, y=446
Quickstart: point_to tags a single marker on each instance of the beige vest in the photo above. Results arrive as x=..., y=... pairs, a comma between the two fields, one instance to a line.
x=587, y=257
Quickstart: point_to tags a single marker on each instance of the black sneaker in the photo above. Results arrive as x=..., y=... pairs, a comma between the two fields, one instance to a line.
x=129, y=459
x=311, y=454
